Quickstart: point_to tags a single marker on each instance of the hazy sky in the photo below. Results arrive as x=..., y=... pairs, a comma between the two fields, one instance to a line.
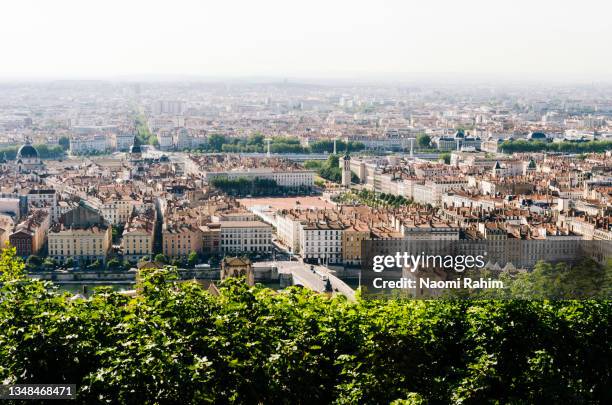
x=311, y=38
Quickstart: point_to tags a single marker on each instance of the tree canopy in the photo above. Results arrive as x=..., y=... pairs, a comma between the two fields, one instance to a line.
x=177, y=343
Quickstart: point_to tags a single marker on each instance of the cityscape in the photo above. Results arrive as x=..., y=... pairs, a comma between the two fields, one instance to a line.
x=323, y=202
x=101, y=178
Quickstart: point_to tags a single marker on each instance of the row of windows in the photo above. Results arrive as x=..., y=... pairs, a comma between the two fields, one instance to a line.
x=248, y=248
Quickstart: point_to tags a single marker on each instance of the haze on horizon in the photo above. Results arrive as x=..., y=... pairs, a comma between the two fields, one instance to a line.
x=312, y=39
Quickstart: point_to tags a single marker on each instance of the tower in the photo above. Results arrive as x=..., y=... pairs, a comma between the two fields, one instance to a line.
x=497, y=170
x=530, y=167
x=268, y=140
x=346, y=168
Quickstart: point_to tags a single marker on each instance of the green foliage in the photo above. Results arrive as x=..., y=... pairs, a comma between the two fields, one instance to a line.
x=446, y=157
x=279, y=144
x=33, y=262
x=160, y=258
x=192, y=259
x=49, y=263
x=117, y=232
x=215, y=142
x=313, y=164
x=565, y=147
x=423, y=141
x=328, y=146
x=176, y=343
x=584, y=279
x=44, y=152
x=95, y=265
x=12, y=268
x=64, y=142
x=254, y=143
x=254, y=187
x=372, y=199
x=330, y=170
x=113, y=264
x=143, y=135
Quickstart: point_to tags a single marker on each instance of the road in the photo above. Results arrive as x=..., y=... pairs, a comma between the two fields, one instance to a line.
x=315, y=278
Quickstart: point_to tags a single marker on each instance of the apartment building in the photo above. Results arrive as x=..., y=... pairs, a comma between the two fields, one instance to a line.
x=122, y=141
x=138, y=235
x=179, y=239
x=81, y=244
x=30, y=234
x=81, y=234
x=288, y=230
x=352, y=239
x=246, y=237
x=44, y=198
x=117, y=210
x=321, y=242
x=94, y=143
x=211, y=239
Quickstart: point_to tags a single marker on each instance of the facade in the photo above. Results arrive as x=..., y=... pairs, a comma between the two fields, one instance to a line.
x=352, y=237
x=81, y=244
x=458, y=142
x=44, y=198
x=237, y=267
x=288, y=231
x=81, y=234
x=30, y=234
x=117, y=211
x=182, y=139
x=122, y=141
x=165, y=139
x=321, y=242
x=95, y=143
x=211, y=239
x=138, y=235
x=180, y=239
x=294, y=178
x=246, y=237
x=168, y=107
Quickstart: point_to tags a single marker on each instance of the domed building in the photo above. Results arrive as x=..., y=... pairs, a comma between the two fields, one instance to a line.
x=538, y=136
x=28, y=160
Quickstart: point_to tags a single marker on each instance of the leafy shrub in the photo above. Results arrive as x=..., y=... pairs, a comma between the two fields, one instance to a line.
x=176, y=343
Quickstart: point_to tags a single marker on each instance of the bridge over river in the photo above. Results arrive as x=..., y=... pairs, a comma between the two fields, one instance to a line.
x=286, y=273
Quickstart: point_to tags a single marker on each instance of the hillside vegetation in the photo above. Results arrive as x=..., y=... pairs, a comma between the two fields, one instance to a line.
x=176, y=343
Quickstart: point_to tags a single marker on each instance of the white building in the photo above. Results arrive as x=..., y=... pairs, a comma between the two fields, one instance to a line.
x=321, y=242
x=165, y=139
x=246, y=237
x=95, y=143
x=122, y=141
x=182, y=139
x=288, y=231
x=117, y=211
x=294, y=178
x=171, y=107
x=44, y=198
